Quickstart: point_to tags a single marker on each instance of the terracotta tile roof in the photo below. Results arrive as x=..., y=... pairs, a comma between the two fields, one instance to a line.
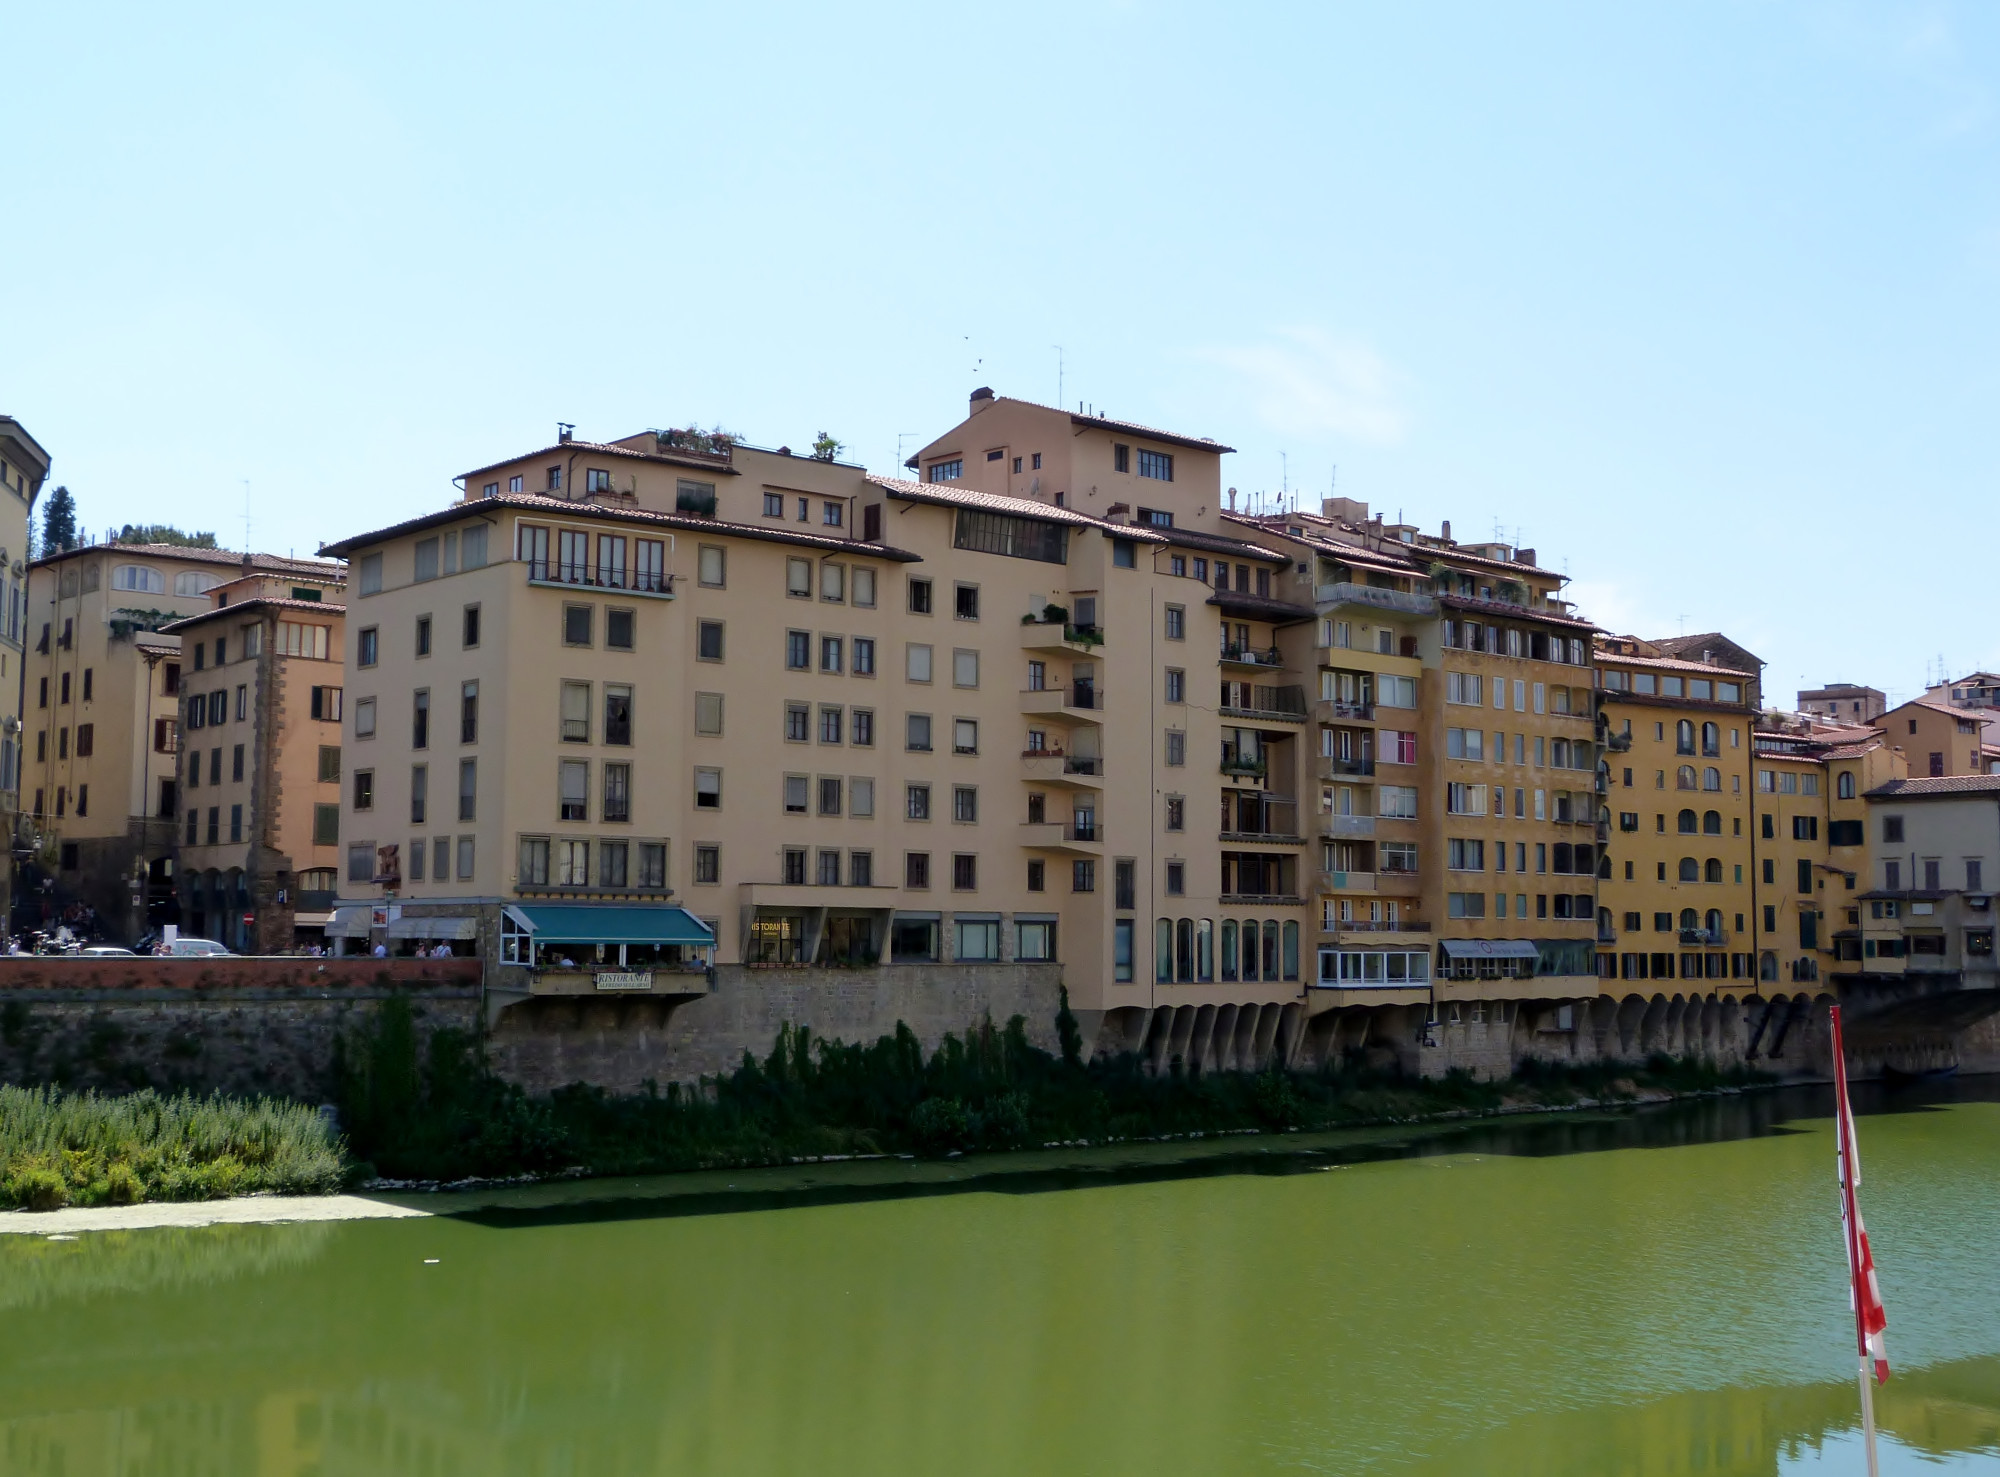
x=1262, y=607
x=1322, y=540
x=555, y=507
x=706, y=461
x=1133, y=428
x=237, y=607
x=1216, y=543
x=1669, y=664
x=1517, y=612
x=264, y=563
x=1849, y=751
x=1952, y=784
x=954, y=495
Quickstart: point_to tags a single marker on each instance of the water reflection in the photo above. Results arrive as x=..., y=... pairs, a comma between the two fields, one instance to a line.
x=1630, y=1309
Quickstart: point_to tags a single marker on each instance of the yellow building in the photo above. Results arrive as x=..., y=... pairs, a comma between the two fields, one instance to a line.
x=1677, y=902
x=101, y=747
x=24, y=466
x=259, y=792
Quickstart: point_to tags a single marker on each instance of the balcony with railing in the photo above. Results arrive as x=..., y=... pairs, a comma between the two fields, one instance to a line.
x=1347, y=825
x=1346, y=766
x=1253, y=700
x=1054, y=767
x=1399, y=602
x=1340, y=881
x=1234, y=655
x=1077, y=837
x=1701, y=938
x=1062, y=636
x=1254, y=818
x=651, y=583
x=1335, y=712
x=1082, y=700
x=1377, y=925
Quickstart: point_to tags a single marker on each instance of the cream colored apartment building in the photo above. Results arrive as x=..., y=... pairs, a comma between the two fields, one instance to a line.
x=259, y=787
x=101, y=743
x=24, y=467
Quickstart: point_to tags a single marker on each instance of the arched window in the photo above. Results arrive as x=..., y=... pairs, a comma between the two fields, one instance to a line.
x=1711, y=823
x=1712, y=921
x=1684, y=736
x=1690, y=919
x=1684, y=777
x=1270, y=950
x=1291, y=950
x=1163, y=951
x=1844, y=786
x=1204, y=950
x=1712, y=872
x=1711, y=778
x=1603, y=921
x=138, y=577
x=1711, y=739
x=1249, y=948
x=1184, y=950
x=1687, y=823
x=1767, y=966
x=195, y=582
x=1229, y=948
x=1604, y=865
x=1690, y=869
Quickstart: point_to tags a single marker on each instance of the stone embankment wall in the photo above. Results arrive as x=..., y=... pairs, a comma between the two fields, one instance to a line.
x=620, y=1043
x=241, y=1025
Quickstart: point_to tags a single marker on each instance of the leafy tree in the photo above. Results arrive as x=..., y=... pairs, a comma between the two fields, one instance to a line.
x=58, y=523
x=164, y=533
x=826, y=448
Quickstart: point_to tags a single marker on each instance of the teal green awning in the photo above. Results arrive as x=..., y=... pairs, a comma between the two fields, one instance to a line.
x=611, y=923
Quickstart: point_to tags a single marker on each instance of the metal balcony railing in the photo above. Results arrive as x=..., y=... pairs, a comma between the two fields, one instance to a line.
x=1704, y=938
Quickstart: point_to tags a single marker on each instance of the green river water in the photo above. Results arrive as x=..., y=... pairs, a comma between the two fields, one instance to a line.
x=1646, y=1292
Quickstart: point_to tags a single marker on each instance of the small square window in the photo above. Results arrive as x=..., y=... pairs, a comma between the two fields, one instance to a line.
x=774, y=505
x=798, y=579
x=920, y=597
x=965, y=602
x=576, y=624
x=619, y=626
x=714, y=565
x=708, y=641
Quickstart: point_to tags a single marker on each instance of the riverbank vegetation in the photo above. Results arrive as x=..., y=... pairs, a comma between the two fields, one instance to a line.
x=987, y=1090
x=60, y=1148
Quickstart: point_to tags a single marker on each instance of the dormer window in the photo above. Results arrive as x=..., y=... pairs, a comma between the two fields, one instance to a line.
x=597, y=479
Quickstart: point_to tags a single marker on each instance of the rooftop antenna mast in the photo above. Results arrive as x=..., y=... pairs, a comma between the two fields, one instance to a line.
x=1284, y=480
x=246, y=515
x=1059, y=372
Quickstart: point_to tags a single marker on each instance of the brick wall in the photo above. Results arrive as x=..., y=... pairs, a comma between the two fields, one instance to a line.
x=245, y=1025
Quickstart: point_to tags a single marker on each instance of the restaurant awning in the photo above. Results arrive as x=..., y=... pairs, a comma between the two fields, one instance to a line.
x=614, y=923
x=1489, y=948
x=434, y=928
x=311, y=920
x=349, y=922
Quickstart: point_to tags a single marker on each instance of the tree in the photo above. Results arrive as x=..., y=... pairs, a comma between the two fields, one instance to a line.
x=826, y=448
x=58, y=523
x=164, y=533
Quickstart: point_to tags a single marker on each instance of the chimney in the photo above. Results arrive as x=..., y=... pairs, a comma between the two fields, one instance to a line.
x=246, y=563
x=564, y=430
x=1524, y=556
x=1446, y=534
x=982, y=398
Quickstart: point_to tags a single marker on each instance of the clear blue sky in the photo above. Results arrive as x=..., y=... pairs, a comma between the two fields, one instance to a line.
x=1698, y=299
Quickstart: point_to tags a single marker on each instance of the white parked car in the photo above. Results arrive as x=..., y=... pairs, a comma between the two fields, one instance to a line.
x=107, y=951
x=197, y=949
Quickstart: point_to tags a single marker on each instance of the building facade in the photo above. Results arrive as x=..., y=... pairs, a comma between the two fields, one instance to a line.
x=1843, y=702
x=259, y=788
x=101, y=761
x=1926, y=909
x=24, y=467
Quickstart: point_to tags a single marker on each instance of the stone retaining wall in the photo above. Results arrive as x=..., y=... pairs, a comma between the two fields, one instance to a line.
x=238, y=1025
x=620, y=1043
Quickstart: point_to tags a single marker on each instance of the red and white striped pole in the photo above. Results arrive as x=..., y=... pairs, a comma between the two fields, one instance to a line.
x=1871, y=1319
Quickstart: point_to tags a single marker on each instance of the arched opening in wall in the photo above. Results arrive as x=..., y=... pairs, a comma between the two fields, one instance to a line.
x=1712, y=870
x=1690, y=869
x=1767, y=967
x=1711, y=823
x=1686, y=823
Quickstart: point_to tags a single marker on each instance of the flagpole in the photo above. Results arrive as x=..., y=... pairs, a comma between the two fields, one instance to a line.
x=1850, y=1217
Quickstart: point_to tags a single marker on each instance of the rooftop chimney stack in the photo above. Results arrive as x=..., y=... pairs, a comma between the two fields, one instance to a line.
x=982, y=398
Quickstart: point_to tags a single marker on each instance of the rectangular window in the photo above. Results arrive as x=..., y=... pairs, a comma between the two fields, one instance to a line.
x=613, y=863
x=713, y=566
x=1176, y=685
x=830, y=651
x=620, y=627
x=965, y=803
x=795, y=786
x=618, y=714
x=576, y=624
x=864, y=656
x=708, y=641
x=861, y=796
x=364, y=789
x=708, y=864
x=1176, y=619
x=798, y=651
x=466, y=855
x=1176, y=754
x=833, y=582
x=469, y=629
x=574, y=710
x=326, y=825
x=468, y=793
x=1158, y=465
x=468, y=713
x=798, y=720
x=830, y=724
x=708, y=789
x=964, y=668
x=965, y=736
x=367, y=647
x=965, y=602
x=964, y=872
x=1015, y=537
x=917, y=802
x=829, y=794
x=652, y=864
x=573, y=790
x=419, y=792
x=917, y=663
x=917, y=732
x=617, y=792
